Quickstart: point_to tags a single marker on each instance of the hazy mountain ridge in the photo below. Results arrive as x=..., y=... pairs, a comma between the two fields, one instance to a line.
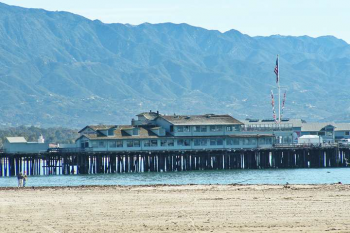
x=57, y=68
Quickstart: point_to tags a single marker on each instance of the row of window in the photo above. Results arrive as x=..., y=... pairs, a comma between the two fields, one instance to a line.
x=321, y=133
x=182, y=142
x=203, y=128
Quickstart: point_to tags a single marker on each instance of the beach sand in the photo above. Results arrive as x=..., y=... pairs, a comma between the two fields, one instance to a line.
x=188, y=208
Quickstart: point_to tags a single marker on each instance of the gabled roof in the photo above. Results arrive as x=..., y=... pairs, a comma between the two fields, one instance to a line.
x=315, y=127
x=120, y=133
x=16, y=139
x=149, y=115
x=342, y=127
x=98, y=127
x=208, y=119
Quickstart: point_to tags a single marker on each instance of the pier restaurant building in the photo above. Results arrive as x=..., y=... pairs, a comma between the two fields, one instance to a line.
x=153, y=131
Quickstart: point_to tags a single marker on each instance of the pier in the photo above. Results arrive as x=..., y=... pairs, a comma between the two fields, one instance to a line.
x=69, y=162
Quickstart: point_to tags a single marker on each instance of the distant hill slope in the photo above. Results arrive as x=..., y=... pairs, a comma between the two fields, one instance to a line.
x=57, y=68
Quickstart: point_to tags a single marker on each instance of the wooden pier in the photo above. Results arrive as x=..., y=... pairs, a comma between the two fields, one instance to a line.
x=66, y=162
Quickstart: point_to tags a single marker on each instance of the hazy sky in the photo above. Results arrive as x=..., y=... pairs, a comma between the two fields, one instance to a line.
x=252, y=17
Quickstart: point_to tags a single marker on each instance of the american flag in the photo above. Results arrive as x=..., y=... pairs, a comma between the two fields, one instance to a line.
x=276, y=70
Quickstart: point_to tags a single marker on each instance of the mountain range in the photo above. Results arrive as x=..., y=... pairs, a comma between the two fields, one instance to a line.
x=61, y=69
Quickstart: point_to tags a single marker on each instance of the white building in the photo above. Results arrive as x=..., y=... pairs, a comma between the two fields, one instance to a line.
x=310, y=139
x=20, y=145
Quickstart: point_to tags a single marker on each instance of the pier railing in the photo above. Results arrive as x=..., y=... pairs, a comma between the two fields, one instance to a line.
x=307, y=145
x=267, y=127
x=69, y=150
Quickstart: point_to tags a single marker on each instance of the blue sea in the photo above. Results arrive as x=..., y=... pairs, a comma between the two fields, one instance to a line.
x=265, y=176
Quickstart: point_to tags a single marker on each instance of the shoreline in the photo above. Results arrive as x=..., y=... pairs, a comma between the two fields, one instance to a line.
x=165, y=185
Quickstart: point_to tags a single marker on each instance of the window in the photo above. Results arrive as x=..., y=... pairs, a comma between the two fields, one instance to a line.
x=215, y=128
x=111, y=132
x=220, y=142
x=329, y=133
x=216, y=141
x=183, y=142
x=112, y=144
x=253, y=141
x=268, y=140
x=101, y=144
x=119, y=143
x=150, y=143
x=135, y=131
x=201, y=128
x=147, y=143
x=229, y=128
x=136, y=143
x=163, y=142
x=154, y=143
x=321, y=133
x=168, y=142
x=129, y=143
x=261, y=141
x=196, y=142
x=236, y=141
x=347, y=133
x=180, y=128
x=187, y=129
x=200, y=142
x=94, y=144
x=287, y=140
x=171, y=128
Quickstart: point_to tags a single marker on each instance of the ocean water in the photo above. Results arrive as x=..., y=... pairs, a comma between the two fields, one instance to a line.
x=266, y=176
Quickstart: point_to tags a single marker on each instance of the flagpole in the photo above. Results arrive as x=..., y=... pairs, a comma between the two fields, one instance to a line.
x=279, y=91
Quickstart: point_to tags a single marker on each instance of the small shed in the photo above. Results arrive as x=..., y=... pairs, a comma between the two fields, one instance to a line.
x=20, y=145
x=310, y=139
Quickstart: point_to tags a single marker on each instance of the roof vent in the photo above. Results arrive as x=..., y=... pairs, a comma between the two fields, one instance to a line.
x=253, y=120
x=268, y=120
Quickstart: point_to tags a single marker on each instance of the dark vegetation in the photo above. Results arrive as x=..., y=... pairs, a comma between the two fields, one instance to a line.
x=31, y=134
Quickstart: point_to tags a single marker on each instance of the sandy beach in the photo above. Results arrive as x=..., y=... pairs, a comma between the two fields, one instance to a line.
x=188, y=208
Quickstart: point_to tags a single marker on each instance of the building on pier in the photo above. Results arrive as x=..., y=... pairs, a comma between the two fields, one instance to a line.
x=20, y=145
x=153, y=131
x=330, y=132
x=325, y=130
x=341, y=131
x=287, y=132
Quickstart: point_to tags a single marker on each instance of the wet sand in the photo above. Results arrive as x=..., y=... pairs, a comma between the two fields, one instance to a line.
x=188, y=208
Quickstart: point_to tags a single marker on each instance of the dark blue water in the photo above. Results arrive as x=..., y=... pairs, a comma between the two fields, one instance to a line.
x=266, y=176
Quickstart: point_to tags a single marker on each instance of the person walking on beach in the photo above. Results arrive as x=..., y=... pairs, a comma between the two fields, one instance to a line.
x=25, y=177
x=20, y=179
